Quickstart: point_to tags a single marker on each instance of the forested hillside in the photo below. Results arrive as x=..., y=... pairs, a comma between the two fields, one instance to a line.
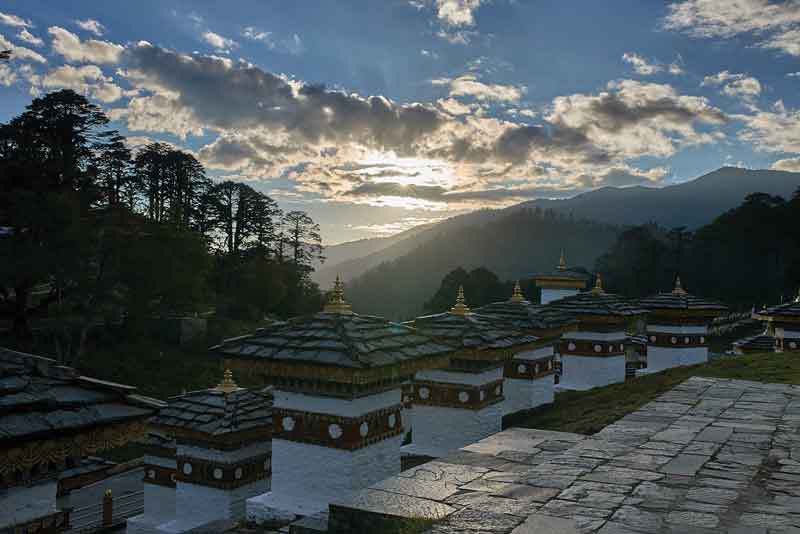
x=522, y=242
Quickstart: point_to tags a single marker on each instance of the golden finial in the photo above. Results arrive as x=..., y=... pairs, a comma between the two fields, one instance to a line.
x=227, y=385
x=598, y=286
x=336, y=303
x=461, y=307
x=678, y=287
x=517, y=295
x=562, y=262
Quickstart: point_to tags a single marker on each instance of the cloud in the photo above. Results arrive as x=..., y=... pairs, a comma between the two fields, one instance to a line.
x=734, y=85
x=28, y=37
x=640, y=64
x=775, y=130
x=793, y=75
x=220, y=43
x=429, y=53
x=14, y=21
x=469, y=85
x=457, y=12
x=253, y=34
x=20, y=53
x=7, y=76
x=788, y=164
x=86, y=79
x=776, y=25
x=395, y=227
x=91, y=25
x=69, y=45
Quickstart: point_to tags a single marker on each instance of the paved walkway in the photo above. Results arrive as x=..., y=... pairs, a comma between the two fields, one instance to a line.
x=710, y=456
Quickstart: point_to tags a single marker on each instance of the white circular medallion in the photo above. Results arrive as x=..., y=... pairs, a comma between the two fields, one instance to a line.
x=218, y=473
x=652, y=339
x=151, y=474
x=363, y=429
x=673, y=340
x=335, y=431
x=536, y=369
x=792, y=344
x=288, y=423
x=549, y=365
x=267, y=464
x=238, y=473
x=686, y=340
x=187, y=469
x=521, y=368
x=702, y=339
x=482, y=395
x=598, y=348
x=497, y=390
x=424, y=393
x=392, y=420
x=571, y=347
x=463, y=396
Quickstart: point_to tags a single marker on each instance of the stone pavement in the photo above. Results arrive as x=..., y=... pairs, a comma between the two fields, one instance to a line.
x=710, y=456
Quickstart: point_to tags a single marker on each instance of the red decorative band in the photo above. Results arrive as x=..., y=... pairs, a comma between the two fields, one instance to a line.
x=159, y=475
x=336, y=432
x=528, y=370
x=582, y=347
x=467, y=397
x=673, y=341
x=223, y=476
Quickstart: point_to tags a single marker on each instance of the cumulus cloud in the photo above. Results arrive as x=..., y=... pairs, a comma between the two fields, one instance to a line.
x=253, y=34
x=640, y=64
x=20, y=53
x=28, y=37
x=395, y=227
x=70, y=46
x=773, y=130
x=775, y=24
x=220, y=43
x=788, y=164
x=734, y=85
x=267, y=125
x=7, y=76
x=14, y=21
x=457, y=12
x=470, y=85
x=86, y=79
x=91, y=25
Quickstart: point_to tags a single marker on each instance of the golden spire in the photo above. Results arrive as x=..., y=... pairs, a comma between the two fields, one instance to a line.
x=461, y=307
x=336, y=302
x=562, y=262
x=227, y=385
x=678, y=287
x=598, y=286
x=517, y=295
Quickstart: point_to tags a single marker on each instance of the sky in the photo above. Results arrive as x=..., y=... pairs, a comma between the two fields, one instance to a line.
x=378, y=115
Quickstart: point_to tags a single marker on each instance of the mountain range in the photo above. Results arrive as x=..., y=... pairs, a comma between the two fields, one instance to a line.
x=689, y=204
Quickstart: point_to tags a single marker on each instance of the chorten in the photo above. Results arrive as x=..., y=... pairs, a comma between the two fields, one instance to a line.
x=562, y=282
x=529, y=375
x=337, y=379
x=785, y=321
x=593, y=355
x=223, y=455
x=51, y=419
x=677, y=328
x=463, y=402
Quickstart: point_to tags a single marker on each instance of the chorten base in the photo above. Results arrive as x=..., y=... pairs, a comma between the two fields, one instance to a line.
x=661, y=358
x=587, y=372
x=526, y=394
x=439, y=430
x=274, y=508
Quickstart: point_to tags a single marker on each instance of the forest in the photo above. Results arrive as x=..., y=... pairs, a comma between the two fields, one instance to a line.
x=92, y=232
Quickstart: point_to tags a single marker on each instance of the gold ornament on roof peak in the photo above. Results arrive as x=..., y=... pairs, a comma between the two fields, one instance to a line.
x=461, y=307
x=336, y=302
x=517, y=295
x=678, y=287
x=598, y=286
x=227, y=385
x=562, y=262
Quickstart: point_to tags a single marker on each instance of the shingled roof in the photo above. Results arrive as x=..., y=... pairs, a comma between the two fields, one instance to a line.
x=216, y=411
x=40, y=398
x=462, y=329
x=787, y=310
x=562, y=272
x=598, y=303
x=523, y=315
x=345, y=340
x=764, y=342
x=678, y=299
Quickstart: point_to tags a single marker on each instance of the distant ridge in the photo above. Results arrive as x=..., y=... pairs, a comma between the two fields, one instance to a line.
x=690, y=204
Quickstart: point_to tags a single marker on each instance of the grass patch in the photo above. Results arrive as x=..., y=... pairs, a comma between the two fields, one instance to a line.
x=587, y=412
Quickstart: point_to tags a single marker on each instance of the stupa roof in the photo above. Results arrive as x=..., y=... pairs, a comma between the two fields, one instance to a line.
x=41, y=399
x=463, y=329
x=523, y=315
x=562, y=272
x=764, y=342
x=680, y=300
x=221, y=410
x=598, y=303
x=787, y=311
